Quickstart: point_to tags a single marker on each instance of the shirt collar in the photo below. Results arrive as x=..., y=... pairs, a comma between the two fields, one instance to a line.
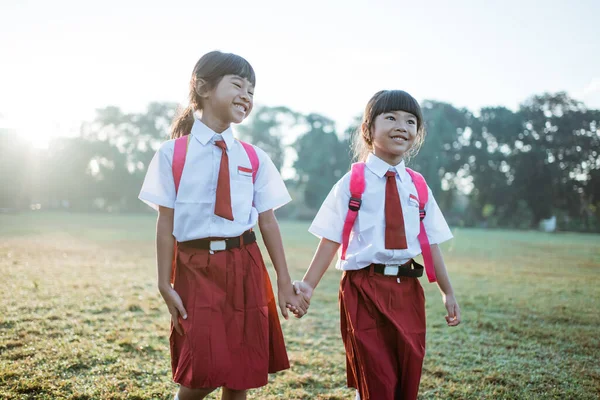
x=380, y=167
x=205, y=135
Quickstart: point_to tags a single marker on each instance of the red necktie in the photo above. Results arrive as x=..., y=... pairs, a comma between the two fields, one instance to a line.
x=395, y=237
x=223, y=198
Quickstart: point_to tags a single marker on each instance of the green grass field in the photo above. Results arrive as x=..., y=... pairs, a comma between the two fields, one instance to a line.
x=80, y=316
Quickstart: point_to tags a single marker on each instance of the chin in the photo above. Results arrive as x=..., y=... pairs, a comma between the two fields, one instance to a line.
x=236, y=119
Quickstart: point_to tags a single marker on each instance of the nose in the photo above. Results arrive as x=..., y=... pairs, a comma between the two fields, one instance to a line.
x=245, y=96
x=400, y=126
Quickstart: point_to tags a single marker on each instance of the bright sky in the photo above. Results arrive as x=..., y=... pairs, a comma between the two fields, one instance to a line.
x=60, y=60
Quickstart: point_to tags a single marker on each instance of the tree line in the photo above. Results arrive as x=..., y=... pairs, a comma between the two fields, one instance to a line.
x=494, y=168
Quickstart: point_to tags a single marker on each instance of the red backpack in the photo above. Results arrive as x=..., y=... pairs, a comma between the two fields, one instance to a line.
x=357, y=188
x=179, y=155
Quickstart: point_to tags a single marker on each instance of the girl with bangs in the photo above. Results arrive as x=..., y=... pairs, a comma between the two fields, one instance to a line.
x=210, y=190
x=378, y=217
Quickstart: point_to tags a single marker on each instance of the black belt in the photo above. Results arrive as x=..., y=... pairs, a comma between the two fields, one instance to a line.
x=410, y=269
x=247, y=237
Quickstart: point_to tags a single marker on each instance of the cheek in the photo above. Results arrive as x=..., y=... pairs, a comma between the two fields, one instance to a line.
x=375, y=136
x=414, y=131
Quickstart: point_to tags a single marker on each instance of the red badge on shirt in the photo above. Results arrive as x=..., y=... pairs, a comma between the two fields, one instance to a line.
x=244, y=171
x=413, y=200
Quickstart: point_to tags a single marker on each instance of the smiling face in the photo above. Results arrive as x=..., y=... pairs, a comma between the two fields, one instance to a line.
x=229, y=102
x=393, y=133
x=392, y=127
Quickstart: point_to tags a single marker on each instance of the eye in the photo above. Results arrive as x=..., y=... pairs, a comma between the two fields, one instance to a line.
x=251, y=93
x=391, y=118
x=237, y=85
x=412, y=121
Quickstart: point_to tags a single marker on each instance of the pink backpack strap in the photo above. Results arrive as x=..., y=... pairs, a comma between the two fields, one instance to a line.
x=251, y=151
x=423, y=194
x=357, y=188
x=179, y=154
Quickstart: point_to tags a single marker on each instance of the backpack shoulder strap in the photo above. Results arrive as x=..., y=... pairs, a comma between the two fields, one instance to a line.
x=423, y=194
x=251, y=151
x=357, y=188
x=179, y=154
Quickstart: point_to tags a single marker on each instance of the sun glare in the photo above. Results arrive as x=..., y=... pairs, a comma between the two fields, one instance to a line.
x=37, y=137
x=34, y=133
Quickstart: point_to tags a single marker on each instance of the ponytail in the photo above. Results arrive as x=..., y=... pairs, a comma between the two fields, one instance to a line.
x=207, y=74
x=182, y=124
x=361, y=145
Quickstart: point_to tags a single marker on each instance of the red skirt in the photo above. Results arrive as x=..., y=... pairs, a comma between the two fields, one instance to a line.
x=383, y=329
x=233, y=337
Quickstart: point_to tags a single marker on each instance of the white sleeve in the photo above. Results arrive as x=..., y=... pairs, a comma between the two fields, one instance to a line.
x=269, y=189
x=436, y=226
x=329, y=221
x=158, y=188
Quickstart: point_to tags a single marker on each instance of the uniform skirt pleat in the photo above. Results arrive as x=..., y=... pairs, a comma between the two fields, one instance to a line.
x=383, y=329
x=232, y=337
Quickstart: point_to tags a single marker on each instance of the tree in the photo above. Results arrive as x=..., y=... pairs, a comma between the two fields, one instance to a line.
x=440, y=157
x=123, y=145
x=267, y=129
x=16, y=162
x=322, y=159
x=555, y=153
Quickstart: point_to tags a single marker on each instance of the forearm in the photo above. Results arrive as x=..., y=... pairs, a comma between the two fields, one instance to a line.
x=269, y=229
x=164, y=249
x=441, y=273
x=320, y=262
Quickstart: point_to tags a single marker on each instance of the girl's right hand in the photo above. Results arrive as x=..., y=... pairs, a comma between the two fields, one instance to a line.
x=175, y=306
x=301, y=287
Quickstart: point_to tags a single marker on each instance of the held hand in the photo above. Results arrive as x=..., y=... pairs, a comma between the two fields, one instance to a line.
x=453, y=317
x=176, y=309
x=289, y=300
x=303, y=289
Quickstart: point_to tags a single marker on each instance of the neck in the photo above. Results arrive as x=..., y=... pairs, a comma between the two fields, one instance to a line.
x=391, y=159
x=213, y=122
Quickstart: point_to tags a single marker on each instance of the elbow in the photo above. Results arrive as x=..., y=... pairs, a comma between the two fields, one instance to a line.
x=266, y=220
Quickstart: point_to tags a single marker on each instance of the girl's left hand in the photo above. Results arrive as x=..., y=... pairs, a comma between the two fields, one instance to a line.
x=288, y=299
x=453, y=317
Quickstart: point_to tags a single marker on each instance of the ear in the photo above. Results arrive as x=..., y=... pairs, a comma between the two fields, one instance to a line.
x=201, y=88
x=366, y=134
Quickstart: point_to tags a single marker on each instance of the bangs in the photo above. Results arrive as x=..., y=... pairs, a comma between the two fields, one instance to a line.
x=395, y=100
x=233, y=64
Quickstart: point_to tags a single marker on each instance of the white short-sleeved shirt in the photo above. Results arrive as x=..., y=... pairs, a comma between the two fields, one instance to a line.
x=367, y=240
x=194, y=204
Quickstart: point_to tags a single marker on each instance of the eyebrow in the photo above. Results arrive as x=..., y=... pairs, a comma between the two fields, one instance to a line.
x=397, y=113
x=239, y=78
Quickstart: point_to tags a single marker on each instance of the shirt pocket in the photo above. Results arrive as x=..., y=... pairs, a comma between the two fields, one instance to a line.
x=363, y=243
x=242, y=195
x=412, y=221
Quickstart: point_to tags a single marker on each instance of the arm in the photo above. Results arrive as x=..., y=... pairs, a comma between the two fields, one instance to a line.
x=453, y=317
x=269, y=228
x=319, y=264
x=164, y=257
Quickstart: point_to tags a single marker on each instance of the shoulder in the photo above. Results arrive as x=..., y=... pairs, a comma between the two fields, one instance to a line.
x=342, y=187
x=259, y=152
x=167, y=147
x=263, y=157
x=418, y=179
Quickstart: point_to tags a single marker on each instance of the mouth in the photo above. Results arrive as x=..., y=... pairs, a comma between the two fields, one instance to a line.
x=242, y=107
x=399, y=138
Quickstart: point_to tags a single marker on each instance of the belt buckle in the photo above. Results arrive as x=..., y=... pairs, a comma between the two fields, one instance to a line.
x=391, y=270
x=217, y=245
